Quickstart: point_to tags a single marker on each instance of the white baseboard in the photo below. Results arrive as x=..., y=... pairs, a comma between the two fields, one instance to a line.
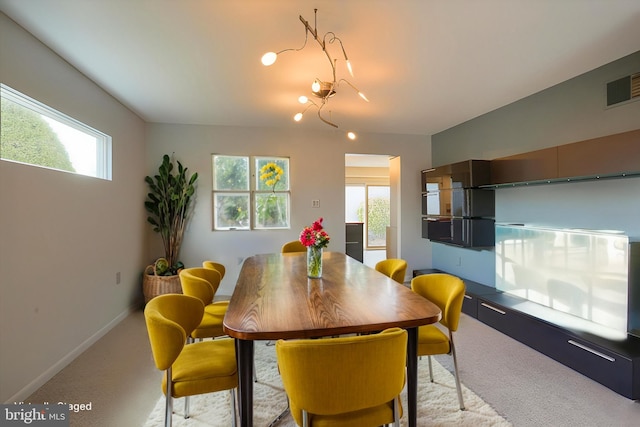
x=41, y=379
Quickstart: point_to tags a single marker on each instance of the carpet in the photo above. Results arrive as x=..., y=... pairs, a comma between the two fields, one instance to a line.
x=437, y=401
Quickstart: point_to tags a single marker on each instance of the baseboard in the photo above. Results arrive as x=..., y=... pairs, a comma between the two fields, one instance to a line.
x=42, y=379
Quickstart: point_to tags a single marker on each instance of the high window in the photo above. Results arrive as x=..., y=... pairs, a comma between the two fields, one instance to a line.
x=250, y=192
x=35, y=134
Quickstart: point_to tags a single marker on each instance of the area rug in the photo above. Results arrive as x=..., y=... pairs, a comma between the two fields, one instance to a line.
x=437, y=401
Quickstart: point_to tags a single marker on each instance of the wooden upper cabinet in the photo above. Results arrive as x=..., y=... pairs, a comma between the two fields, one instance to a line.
x=609, y=155
x=533, y=166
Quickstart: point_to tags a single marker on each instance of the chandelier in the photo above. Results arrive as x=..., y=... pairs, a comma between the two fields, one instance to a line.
x=323, y=90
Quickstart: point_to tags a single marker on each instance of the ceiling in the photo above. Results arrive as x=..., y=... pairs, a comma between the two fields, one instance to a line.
x=425, y=65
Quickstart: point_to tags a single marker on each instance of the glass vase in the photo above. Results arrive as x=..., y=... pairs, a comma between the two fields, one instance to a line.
x=314, y=262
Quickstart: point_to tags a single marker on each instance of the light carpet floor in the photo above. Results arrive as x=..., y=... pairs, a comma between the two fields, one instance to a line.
x=437, y=401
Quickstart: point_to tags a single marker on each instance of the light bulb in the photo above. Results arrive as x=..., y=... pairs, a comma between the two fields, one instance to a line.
x=303, y=99
x=315, y=86
x=269, y=58
x=349, y=67
x=351, y=135
x=297, y=117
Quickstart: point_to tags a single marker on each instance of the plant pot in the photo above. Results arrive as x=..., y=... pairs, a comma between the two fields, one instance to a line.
x=153, y=285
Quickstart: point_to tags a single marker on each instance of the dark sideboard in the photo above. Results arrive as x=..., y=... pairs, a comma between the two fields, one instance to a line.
x=614, y=364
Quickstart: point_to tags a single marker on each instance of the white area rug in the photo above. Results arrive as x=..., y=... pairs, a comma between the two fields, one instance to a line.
x=437, y=401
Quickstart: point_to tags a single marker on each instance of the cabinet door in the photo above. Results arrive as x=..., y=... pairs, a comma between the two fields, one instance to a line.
x=437, y=229
x=461, y=203
x=473, y=232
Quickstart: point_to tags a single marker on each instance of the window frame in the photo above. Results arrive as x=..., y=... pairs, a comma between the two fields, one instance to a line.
x=254, y=192
x=103, y=150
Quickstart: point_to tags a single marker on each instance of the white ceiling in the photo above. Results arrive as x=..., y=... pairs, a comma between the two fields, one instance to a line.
x=425, y=65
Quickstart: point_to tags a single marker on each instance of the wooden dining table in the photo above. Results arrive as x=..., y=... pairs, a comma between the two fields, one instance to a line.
x=274, y=299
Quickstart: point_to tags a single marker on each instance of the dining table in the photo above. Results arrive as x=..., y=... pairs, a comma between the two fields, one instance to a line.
x=274, y=299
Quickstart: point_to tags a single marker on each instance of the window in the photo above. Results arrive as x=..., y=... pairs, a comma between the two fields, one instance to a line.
x=35, y=134
x=242, y=203
x=376, y=216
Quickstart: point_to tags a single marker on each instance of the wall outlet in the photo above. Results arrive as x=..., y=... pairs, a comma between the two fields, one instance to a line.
x=315, y=203
x=118, y=278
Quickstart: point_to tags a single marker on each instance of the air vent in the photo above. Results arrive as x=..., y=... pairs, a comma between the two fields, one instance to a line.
x=624, y=89
x=635, y=85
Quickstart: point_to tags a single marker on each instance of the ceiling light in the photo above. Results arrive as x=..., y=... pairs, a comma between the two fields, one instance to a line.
x=322, y=89
x=269, y=58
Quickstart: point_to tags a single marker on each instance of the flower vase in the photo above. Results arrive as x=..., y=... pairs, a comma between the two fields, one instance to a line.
x=314, y=262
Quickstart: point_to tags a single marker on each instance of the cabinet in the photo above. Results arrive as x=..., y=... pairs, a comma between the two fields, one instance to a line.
x=455, y=210
x=613, y=363
x=355, y=240
x=615, y=155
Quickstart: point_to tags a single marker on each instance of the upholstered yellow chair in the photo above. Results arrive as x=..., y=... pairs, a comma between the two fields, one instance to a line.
x=215, y=266
x=293, y=246
x=347, y=381
x=447, y=292
x=394, y=268
x=203, y=283
x=198, y=368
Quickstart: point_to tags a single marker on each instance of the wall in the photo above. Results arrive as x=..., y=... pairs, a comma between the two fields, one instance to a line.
x=569, y=112
x=317, y=166
x=63, y=236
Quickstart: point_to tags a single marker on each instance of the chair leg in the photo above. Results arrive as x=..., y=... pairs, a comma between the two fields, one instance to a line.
x=430, y=368
x=168, y=411
x=396, y=411
x=282, y=414
x=233, y=407
x=186, y=407
x=455, y=368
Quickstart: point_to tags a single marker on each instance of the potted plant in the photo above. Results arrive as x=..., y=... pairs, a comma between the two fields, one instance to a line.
x=169, y=204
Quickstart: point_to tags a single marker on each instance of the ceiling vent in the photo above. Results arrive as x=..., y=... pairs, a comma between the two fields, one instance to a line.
x=624, y=89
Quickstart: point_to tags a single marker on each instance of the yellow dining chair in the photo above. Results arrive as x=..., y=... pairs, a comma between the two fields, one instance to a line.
x=394, y=268
x=293, y=246
x=215, y=266
x=447, y=292
x=347, y=381
x=203, y=284
x=198, y=368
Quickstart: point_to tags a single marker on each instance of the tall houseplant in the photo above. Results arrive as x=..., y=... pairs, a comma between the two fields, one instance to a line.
x=169, y=204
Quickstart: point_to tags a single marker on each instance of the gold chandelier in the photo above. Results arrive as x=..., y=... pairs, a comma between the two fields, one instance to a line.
x=321, y=89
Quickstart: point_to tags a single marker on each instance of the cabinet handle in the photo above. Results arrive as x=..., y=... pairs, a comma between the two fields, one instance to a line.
x=467, y=296
x=493, y=308
x=590, y=350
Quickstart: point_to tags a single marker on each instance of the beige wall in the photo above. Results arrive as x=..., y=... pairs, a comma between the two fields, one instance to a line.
x=63, y=237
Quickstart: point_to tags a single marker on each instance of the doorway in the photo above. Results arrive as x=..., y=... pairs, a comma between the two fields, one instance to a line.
x=369, y=196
